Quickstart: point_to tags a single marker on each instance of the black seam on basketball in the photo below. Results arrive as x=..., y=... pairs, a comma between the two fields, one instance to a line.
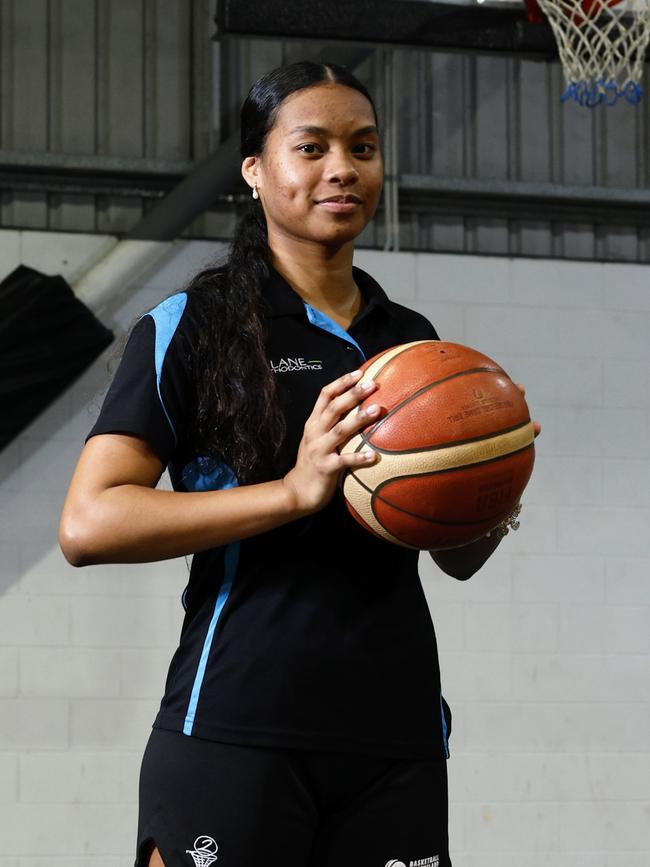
x=357, y=479
x=376, y=495
x=427, y=387
x=431, y=448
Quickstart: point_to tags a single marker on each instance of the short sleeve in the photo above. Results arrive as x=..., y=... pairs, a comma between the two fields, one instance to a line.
x=150, y=394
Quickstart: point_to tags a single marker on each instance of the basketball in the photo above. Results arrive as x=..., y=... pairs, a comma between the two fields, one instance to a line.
x=455, y=445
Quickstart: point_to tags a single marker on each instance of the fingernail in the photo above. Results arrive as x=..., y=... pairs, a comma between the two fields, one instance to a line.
x=368, y=384
x=372, y=408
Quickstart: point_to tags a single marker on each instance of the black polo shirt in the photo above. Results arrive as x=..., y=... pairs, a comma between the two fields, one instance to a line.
x=314, y=635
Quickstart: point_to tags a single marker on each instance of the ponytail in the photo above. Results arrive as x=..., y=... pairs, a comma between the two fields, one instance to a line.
x=237, y=418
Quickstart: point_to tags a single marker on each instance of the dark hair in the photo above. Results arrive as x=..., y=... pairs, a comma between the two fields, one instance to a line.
x=237, y=417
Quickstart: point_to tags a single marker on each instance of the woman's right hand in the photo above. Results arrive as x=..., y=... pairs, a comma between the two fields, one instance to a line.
x=312, y=481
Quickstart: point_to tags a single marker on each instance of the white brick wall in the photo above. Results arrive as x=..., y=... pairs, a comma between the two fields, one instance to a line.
x=545, y=653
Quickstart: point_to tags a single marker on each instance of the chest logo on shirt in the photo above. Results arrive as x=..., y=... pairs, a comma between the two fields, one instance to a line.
x=285, y=365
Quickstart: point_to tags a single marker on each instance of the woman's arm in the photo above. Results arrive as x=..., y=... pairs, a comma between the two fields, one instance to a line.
x=114, y=514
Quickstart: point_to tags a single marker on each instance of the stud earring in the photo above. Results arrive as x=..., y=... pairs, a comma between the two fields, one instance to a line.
x=256, y=195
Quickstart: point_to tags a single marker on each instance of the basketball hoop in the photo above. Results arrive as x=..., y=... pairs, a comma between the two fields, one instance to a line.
x=602, y=46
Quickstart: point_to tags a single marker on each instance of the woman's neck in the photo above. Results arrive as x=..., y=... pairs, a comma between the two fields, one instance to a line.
x=325, y=283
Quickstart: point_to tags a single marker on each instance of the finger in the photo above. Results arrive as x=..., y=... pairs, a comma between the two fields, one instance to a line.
x=346, y=427
x=363, y=458
x=332, y=389
x=520, y=387
x=342, y=405
x=537, y=428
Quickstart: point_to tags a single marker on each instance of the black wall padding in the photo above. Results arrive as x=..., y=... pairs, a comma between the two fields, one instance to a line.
x=48, y=337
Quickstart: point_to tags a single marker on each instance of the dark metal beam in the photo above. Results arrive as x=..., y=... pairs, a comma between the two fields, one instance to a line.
x=427, y=25
x=464, y=197
x=508, y=200
x=79, y=174
x=523, y=200
x=92, y=163
x=152, y=186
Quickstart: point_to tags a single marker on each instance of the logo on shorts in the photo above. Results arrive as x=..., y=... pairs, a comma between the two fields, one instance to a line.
x=204, y=852
x=284, y=365
x=433, y=861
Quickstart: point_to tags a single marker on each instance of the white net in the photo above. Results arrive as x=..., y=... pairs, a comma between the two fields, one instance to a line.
x=602, y=45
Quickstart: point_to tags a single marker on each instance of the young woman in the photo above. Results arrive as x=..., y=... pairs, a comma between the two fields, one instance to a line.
x=302, y=722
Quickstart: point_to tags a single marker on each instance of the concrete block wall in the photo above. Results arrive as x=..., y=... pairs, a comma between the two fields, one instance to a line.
x=545, y=653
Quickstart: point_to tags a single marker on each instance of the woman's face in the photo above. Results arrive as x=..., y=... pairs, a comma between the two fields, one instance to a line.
x=323, y=145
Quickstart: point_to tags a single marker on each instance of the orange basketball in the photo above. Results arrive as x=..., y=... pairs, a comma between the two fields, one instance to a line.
x=455, y=444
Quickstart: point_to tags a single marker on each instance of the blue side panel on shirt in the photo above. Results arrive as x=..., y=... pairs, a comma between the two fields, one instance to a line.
x=445, y=739
x=166, y=317
x=205, y=474
x=318, y=318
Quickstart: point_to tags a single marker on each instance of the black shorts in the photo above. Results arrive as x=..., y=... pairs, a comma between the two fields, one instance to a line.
x=207, y=803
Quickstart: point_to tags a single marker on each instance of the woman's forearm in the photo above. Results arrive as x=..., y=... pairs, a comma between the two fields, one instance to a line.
x=135, y=524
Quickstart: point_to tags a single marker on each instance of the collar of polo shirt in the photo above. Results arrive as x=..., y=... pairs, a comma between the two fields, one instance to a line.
x=283, y=300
